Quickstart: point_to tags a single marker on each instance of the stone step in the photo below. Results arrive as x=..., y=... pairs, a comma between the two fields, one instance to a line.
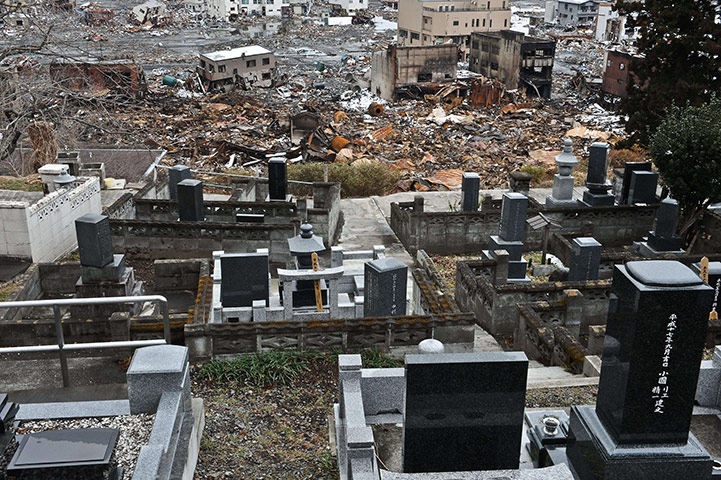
x=7, y=415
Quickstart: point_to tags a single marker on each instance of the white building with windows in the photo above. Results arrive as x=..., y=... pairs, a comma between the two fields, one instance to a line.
x=349, y=7
x=253, y=65
x=230, y=10
x=572, y=12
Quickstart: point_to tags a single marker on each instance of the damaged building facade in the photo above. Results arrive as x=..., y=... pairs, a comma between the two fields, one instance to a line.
x=396, y=68
x=515, y=59
x=616, y=72
x=572, y=12
x=429, y=22
x=252, y=64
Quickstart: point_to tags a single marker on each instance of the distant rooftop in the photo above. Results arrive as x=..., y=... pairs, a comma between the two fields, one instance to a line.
x=236, y=53
x=576, y=2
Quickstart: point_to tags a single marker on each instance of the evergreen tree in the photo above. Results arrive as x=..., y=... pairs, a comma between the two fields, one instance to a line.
x=680, y=59
x=686, y=149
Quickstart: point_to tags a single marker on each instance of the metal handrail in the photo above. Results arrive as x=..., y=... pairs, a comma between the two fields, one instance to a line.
x=61, y=347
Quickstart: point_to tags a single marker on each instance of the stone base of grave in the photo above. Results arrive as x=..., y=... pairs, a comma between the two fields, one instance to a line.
x=647, y=251
x=288, y=198
x=552, y=202
x=112, y=272
x=514, y=249
x=597, y=199
x=663, y=244
x=593, y=455
x=127, y=286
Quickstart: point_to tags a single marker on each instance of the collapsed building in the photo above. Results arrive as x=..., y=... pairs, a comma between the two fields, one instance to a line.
x=432, y=22
x=252, y=64
x=122, y=76
x=398, y=68
x=515, y=59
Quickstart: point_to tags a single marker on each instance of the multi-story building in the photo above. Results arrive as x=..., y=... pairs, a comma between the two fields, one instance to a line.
x=252, y=64
x=349, y=7
x=575, y=12
x=434, y=22
x=616, y=72
x=517, y=60
x=230, y=10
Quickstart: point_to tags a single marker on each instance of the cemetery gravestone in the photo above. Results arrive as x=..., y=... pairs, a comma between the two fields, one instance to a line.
x=654, y=341
x=597, y=186
x=177, y=174
x=512, y=232
x=663, y=237
x=629, y=168
x=463, y=412
x=470, y=186
x=190, y=201
x=385, y=288
x=585, y=259
x=643, y=187
x=562, y=195
x=277, y=181
x=244, y=278
x=94, y=240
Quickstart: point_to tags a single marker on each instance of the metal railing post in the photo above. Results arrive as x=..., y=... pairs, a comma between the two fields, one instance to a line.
x=61, y=346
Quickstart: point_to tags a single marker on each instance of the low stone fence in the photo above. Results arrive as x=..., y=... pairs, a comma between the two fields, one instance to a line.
x=216, y=211
x=150, y=239
x=468, y=232
x=207, y=341
x=496, y=306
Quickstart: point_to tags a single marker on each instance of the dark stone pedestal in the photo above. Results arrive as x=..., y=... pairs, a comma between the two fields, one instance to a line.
x=598, y=199
x=125, y=287
x=593, y=455
x=514, y=249
x=112, y=272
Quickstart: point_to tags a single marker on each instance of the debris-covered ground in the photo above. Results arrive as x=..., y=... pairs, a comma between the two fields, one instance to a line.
x=323, y=69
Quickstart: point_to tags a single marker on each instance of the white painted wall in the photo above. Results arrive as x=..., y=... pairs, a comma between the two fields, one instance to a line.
x=45, y=230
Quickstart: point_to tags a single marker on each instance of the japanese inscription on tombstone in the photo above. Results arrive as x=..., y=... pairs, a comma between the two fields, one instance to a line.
x=95, y=244
x=385, y=288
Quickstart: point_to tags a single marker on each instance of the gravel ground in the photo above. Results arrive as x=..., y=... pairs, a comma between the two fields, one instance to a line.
x=560, y=397
x=134, y=433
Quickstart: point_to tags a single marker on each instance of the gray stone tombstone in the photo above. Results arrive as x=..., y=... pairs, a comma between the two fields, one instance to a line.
x=385, y=288
x=177, y=174
x=628, y=169
x=95, y=243
x=655, y=335
x=562, y=195
x=463, y=411
x=190, y=201
x=585, y=259
x=513, y=217
x=277, y=180
x=597, y=186
x=244, y=278
x=470, y=186
x=643, y=187
x=663, y=237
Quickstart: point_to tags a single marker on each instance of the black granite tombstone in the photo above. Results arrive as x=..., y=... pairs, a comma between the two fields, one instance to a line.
x=513, y=217
x=277, y=181
x=470, y=187
x=596, y=184
x=628, y=169
x=663, y=238
x=190, y=201
x=244, y=278
x=643, y=187
x=385, y=288
x=177, y=174
x=463, y=411
x=585, y=259
x=61, y=454
x=95, y=244
x=652, y=352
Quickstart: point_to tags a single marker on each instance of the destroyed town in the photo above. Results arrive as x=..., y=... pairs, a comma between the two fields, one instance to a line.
x=360, y=239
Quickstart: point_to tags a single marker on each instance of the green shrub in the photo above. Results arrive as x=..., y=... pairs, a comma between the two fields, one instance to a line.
x=357, y=180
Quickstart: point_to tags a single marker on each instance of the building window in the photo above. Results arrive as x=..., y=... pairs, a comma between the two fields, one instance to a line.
x=211, y=67
x=415, y=36
x=484, y=22
x=250, y=63
x=622, y=66
x=490, y=23
x=489, y=5
x=504, y=4
x=235, y=71
x=202, y=64
x=425, y=38
x=455, y=23
x=474, y=45
x=505, y=23
x=453, y=8
x=266, y=76
x=221, y=68
x=403, y=33
x=266, y=61
x=608, y=63
x=494, y=66
x=425, y=77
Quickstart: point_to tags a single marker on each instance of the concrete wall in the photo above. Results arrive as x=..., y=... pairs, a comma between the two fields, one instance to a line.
x=497, y=55
x=383, y=73
x=398, y=66
x=45, y=230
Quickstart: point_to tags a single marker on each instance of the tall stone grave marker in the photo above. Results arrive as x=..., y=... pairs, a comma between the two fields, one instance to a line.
x=277, y=180
x=597, y=186
x=470, y=186
x=463, y=411
x=95, y=244
x=244, y=278
x=177, y=174
x=512, y=233
x=562, y=195
x=643, y=187
x=639, y=429
x=190, y=201
x=585, y=259
x=385, y=288
x=662, y=240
